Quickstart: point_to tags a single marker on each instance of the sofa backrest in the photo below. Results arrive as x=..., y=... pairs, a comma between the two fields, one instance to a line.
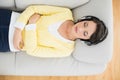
x=7, y=4
x=22, y=4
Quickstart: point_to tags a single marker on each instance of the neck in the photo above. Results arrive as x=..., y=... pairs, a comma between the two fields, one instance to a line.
x=69, y=31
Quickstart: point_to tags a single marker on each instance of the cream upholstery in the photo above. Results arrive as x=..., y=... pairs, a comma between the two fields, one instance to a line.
x=83, y=61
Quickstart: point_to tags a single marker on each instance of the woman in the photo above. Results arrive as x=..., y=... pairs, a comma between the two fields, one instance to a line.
x=49, y=31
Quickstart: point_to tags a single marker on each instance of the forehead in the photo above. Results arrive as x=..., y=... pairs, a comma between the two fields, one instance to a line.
x=91, y=27
x=91, y=24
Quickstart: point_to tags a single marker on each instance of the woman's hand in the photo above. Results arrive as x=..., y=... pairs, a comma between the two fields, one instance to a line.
x=34, y=18
x=17, y=39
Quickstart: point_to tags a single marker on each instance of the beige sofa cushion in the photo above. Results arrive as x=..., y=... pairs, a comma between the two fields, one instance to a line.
x=9, y=4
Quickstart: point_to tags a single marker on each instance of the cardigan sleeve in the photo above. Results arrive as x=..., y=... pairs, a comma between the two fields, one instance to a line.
x=43, y=10
x=33, y=49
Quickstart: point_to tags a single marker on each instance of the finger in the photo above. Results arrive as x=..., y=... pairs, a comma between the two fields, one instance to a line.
x=21, y=44
x=17, y=47
x=34, y=18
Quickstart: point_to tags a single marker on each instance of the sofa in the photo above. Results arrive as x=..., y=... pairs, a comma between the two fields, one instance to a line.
x=85, y=60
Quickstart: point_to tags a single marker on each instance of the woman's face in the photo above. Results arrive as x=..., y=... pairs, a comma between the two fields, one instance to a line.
x=84, y=29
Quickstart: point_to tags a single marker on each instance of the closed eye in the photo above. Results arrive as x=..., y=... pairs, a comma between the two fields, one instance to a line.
x=85, y=24
x=85, y=33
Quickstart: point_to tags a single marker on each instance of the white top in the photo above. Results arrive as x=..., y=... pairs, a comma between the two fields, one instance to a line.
x=14, y=16
x=53, y=29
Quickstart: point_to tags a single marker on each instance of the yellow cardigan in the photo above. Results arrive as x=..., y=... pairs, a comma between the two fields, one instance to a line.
x=40, y=42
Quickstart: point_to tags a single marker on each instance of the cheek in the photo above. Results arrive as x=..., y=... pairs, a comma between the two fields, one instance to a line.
x=79, y=24
x=80, y=35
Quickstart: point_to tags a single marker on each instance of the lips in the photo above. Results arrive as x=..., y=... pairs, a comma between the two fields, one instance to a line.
x=76, y=29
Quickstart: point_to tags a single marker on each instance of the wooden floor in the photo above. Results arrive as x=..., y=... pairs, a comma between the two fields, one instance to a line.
x=113, y=70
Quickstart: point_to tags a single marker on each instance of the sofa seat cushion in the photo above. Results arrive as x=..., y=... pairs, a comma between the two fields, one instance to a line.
x=22, y=4
x=68, y=66
x=7, y=63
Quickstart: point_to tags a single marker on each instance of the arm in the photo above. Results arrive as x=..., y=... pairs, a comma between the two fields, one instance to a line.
x=32, y=48
x=43, y=11
x=17, y=39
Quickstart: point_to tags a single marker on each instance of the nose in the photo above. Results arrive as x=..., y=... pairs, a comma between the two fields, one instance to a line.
x=80, y=29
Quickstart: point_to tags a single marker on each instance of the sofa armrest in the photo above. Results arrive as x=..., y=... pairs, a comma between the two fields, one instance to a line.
x=102, y=52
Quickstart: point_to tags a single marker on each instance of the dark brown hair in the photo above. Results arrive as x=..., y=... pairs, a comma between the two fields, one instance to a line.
x=101, y=31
